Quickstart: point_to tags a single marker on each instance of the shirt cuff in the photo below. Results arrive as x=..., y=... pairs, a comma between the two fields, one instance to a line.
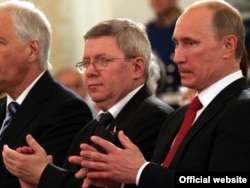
x=139, y=172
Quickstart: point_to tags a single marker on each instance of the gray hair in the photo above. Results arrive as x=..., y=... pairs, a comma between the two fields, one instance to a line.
x=131, y=37
x=29, y=23
x=157, y=74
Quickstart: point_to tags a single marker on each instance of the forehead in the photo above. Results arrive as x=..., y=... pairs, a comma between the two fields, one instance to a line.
x=5, y=21
x=195, y=20
x=101, y=45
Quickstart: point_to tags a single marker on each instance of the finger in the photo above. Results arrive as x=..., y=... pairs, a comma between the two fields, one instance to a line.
x=87, y=147
x=8, y=153
x=5, y=154
x=98, y=164
x=9, y=158
x=86, y=183
x=33, y=144
x=82, y=173
x=25, y=150
x=106, y=145
x=125, y=141
x=75, y=160
x=90, y=156
x=19, y=149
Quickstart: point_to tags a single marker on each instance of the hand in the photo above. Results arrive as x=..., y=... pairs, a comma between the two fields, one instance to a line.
x=78, y=159
x=25, y=150
x=118, y=165
x=28, y=150
x=100, y=183
x=27, y=166
x=82, y=173
x=26, y=185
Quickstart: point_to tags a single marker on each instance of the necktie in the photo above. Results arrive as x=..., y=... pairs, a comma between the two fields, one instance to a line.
x=190, y=115
x=12, y=108
x=104, y=121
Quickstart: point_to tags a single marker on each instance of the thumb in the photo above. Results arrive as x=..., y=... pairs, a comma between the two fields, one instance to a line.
x=33, y=144
x=125, y=141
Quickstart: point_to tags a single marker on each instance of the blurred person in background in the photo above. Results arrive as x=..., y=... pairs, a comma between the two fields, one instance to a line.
x=160, y=31
x=157, y=75
x=186, y=95
x=72, y=79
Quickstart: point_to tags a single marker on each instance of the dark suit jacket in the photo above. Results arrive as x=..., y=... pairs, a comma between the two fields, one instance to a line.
x=219, y=140
x=141, y=119
x=52, y=114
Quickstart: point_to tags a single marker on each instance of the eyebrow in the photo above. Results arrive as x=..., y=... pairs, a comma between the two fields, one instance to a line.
x=96, y=56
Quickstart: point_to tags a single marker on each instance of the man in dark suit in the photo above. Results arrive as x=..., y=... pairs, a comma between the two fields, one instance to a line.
x=209, y=38
x=115, y=63
x=47, y=110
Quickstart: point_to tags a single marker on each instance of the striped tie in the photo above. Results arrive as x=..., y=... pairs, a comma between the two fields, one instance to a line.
x=12, y=108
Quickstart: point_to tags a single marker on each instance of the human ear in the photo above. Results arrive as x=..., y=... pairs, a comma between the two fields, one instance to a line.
x=139, y=66
x=230, y=44
x=34, y=49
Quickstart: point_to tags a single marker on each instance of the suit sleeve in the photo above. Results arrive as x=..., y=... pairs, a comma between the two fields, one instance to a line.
x=54, y=176
x=155, y=175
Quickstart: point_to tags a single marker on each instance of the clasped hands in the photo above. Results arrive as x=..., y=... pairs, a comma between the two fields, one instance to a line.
x=111, y=169
x=108, y=170
x=27, y=162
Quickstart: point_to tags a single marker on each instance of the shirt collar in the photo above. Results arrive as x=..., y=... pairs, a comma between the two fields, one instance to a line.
x=207, y=95
x=23, y=95
x=115, y=109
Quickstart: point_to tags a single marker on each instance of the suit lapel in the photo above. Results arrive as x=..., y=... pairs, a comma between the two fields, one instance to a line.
x=225, y=97
x=29, y=109
x=120, y=122
x=2, y=109
x=167, y=134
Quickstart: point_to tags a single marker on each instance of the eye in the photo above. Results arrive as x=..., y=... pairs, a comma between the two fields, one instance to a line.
x=86, y=62
x=2, y=42
x=108, y=59
x=99, y=60
x=102, y=59
x=189, y=43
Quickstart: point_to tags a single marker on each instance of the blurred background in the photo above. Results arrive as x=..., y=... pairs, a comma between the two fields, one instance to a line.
x=70, y=19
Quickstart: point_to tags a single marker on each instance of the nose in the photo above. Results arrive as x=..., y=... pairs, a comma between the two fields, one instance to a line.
x=175, y=58
x=91, y=70
x=178, y=56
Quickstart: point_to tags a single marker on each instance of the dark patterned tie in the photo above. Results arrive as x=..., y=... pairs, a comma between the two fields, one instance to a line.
x=190, y=115
x=104, y=121
x=12, y=108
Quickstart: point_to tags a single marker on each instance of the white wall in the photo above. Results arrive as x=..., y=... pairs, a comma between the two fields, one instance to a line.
x=70, y=19
x=88, y=13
